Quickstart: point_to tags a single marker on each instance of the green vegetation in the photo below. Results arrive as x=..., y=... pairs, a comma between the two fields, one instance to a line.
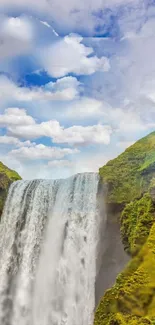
x=136, y=221
x=129, y=175
x=132, y=298
x=7, y=176
x=131, y=190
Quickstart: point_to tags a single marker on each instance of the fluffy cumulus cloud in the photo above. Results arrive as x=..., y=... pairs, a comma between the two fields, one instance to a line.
x=74, y=135
x=42, y=152
x=66, y=89
x=6, y=140
x=70, y=55
x=21, y=125
x=15, y=116
x=80, y=135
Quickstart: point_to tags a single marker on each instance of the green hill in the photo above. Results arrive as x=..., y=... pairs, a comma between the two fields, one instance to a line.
x=130, y=180
x=7, y=176
x=129, y=175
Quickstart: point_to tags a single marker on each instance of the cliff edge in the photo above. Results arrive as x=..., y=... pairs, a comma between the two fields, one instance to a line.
x=130, y=181
x=7, y=176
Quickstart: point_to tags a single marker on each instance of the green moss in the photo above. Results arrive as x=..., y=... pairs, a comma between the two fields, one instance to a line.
x=7, y=176
x=152, y=183
x=136, y=221
x=129, y=175
x=132, y=299
x=10, y=174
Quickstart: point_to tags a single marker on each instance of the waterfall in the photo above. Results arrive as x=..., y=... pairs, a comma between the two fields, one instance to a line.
x=48, y=243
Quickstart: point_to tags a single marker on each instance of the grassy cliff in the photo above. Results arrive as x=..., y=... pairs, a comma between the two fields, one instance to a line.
x=129, y=175
x=7, y=176
x=130, y=180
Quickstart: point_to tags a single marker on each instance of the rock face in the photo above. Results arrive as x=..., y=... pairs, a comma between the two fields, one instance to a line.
x=130, y=180
x=7, y=176
x=113, y=259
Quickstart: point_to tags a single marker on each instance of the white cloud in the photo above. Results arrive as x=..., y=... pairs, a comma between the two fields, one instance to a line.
x=40, y=151
x=71, y=15
x=129, y=120
x=65, y=89
x=148, y=90
x=44, y=129
x=14, y=117
x=60, y=163
x=15, y=141
x=21, y=125
x=16, y=36
x=44, y=6
x=63, y=83
x=81, y=135
x=146, y=31
x=85, y=107
x=91, y=162
x=19, y=28
x=70, y=55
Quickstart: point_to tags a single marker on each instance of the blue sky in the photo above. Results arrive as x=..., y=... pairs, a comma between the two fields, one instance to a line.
x=77, y=82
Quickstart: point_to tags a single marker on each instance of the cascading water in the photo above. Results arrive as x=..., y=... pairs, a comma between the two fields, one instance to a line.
x=48, y=242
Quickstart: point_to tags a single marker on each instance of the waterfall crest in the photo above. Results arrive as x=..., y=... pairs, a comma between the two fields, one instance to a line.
x=48, y=242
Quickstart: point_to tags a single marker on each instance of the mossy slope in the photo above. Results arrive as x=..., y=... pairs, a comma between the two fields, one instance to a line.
x=7, y=176
x=131, y=186
x=136, y=221
x=128, y=176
